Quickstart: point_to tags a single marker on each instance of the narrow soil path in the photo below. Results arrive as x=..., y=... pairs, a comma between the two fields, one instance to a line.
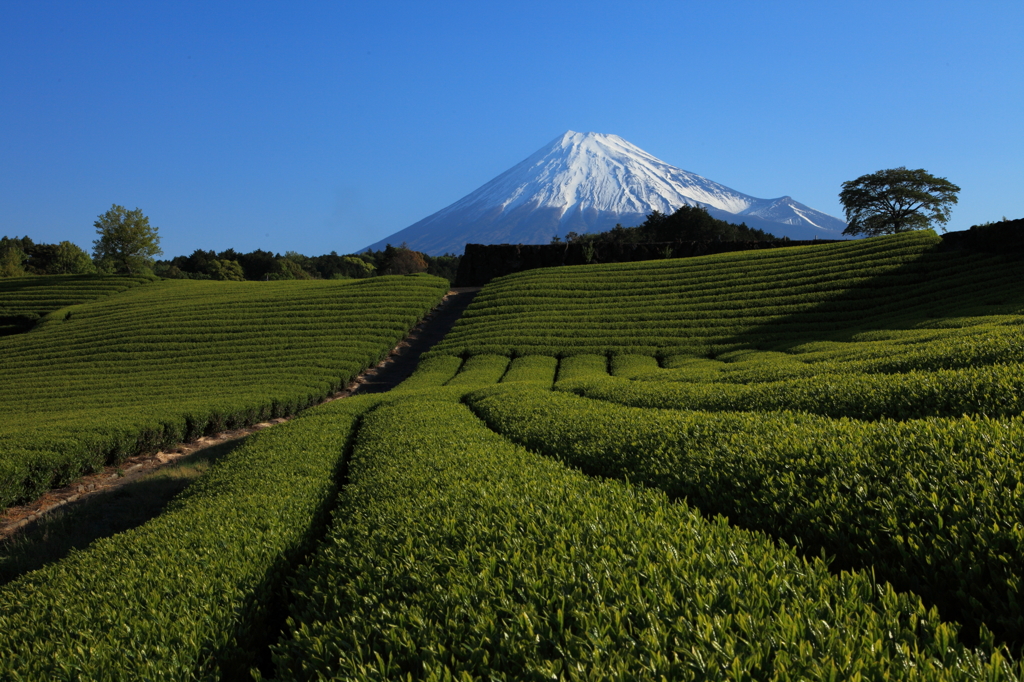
x=406, y=355
x=394, y=369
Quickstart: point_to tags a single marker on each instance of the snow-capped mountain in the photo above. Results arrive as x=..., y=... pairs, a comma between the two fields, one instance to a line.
x=589, y=182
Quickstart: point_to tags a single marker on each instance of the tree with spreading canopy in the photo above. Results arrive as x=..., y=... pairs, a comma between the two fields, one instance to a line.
x=896, y=200
x=127, y=242
x=401, y=260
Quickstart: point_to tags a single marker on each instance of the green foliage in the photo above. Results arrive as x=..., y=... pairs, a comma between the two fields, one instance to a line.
x=400, y=260
x=882, y=329
x=12, y=257
x=71, y=259
x=287, y=268
x=446, y=266
x=20, y=257
x=688, y=223
x=456, y=555
x=262, y=265
x=765, y=300
x=932, y=506
x=480, y=370
x=431, y=373
x=227, y=270
x=534, y=369
x=995, y=391
x=193, y=593
x=896, y=200
x=30, y=298
x=357, y=267
x=172, y=360
x=127, y=242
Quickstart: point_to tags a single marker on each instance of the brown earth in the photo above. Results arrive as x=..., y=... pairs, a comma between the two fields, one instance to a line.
x=394, y=369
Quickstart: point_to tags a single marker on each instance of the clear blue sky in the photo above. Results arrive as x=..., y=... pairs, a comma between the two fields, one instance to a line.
x=321, y=127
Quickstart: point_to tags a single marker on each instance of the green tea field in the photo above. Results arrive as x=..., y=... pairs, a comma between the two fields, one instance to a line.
x=23, y=300
x=169, y=361
x=793, y=464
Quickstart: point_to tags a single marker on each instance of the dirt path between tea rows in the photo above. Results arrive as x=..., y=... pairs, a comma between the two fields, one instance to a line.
x=394, y=369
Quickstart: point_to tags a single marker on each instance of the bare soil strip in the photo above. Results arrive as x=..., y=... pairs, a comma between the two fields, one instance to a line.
x=394, y=369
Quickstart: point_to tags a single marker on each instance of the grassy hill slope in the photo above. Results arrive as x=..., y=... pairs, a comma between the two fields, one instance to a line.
x=765, y=300
x=739, y=467
x=23, y=300
x=172, y=360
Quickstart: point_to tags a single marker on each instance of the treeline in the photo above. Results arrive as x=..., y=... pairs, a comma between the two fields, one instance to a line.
x=22, y=256
x=688, y=224
x=264, y=265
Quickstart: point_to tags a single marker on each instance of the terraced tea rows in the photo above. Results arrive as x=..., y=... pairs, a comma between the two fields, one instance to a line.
x=23, y=300
x=932, y=506
x=605, y=472
x=170, y=361
x=766, y=300
x=909, y=356
x=195, y=590
x=457, y=555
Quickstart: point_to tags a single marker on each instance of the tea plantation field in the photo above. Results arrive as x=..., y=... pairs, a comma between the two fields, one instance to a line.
x=169, y=361
x=790, y=465
x=23, y=300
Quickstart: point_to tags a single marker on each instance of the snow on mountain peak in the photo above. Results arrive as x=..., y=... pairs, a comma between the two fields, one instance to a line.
x=588, y=182
x=605, y=173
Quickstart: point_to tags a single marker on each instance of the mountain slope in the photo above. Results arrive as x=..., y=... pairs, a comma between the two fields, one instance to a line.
x=589, y=182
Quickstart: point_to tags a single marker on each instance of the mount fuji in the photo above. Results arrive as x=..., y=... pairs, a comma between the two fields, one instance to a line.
x=589, y=182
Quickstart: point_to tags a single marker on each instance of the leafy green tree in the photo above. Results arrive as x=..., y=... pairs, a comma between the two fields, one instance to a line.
x=127, y=242
x=356, y=267
x=227, y=270
x=286, y=268
x=71, y=259
x=896, y=200
x=12, y=257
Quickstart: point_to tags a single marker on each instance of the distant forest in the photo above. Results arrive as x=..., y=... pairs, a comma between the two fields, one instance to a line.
x=688, y=224
x=264, y=265
x=22, y=256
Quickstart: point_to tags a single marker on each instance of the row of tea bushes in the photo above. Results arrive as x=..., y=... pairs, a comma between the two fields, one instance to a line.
x=761, y=299
x=480, y=370
x=457, y=555
x=934, y=506
x=24, y=300
x=173, y=360
x=978, y=342
x=534, y=369
x=994, y=391
x=44, y=294
x=196, y=592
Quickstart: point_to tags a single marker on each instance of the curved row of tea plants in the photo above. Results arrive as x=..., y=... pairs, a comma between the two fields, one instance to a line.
x=891, y=328
x=934, y=506
x=173, y=360
x=23, y=300
x=457, y=555
x=455, y=551
x=994, y=391
x=196, y=592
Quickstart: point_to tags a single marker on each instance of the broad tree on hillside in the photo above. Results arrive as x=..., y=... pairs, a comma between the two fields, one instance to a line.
x=127, y=242
x=896, y=200
x=401, y=260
